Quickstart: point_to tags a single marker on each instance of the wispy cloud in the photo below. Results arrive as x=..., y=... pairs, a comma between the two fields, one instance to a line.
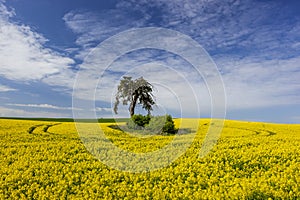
x=43, y=106
x=173, y=77
x=12, y=112
x=23, y=53
x=94, y=27
x=4, y=88
x=231, y=28
x=252, y=83
x=255, y=45
x=242, y=28
x=257, y=69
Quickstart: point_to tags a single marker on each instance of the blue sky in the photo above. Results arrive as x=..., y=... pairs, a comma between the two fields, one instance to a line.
x=255, y=45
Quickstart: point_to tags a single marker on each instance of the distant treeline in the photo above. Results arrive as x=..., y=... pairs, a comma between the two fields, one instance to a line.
x=101, y=120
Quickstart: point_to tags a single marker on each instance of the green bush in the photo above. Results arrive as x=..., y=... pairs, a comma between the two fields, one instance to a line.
x=156, y=125
x=161, y=125
x=169, y=126
x=132, y=126
x=138, y=122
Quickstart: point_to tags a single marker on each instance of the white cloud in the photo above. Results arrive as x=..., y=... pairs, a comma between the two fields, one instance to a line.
x=102, y=109
x=5, y=13
x=170, y=75
x=249, y=82
x=248, y=27
x=43, y=106
x=23, y=53
x=254, y=83
x=4, y=88
x=220, y=26
x=95, y=27
x=9, y=112
x=64, y=78
x=257, y=69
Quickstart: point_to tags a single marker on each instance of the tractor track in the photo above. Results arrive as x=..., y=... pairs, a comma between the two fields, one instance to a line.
x=45, y=129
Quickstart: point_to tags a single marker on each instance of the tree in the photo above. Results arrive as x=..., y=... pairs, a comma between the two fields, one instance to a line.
x=138, y=91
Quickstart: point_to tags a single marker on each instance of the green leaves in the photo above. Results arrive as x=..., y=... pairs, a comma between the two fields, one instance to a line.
x=133, y=92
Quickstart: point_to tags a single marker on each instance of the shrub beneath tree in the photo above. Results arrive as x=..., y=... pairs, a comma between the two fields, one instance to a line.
x=163, y=125
x=169, y=126
x=138, y=122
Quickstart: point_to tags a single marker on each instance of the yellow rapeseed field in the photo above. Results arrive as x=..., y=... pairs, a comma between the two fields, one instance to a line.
x=47, y=160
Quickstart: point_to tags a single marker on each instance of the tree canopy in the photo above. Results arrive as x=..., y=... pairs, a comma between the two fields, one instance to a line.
x=138, y=91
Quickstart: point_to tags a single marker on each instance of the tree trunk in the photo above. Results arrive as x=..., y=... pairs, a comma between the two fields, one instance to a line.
x=132, y=105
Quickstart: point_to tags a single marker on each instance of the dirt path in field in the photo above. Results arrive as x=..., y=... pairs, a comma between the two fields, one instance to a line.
x=258, y=131
x=45, y=129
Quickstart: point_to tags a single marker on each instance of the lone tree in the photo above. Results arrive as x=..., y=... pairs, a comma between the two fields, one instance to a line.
x=133, y=92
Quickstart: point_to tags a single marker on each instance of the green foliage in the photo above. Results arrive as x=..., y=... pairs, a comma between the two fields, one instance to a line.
x=156, y=125
x=161, y=125
x=138, y=91
x=169, y=126
x=132, y=126
x=141, y=120
x=138, y=122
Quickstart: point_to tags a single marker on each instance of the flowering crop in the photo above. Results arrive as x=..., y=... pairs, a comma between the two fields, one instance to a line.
x=250, y=161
